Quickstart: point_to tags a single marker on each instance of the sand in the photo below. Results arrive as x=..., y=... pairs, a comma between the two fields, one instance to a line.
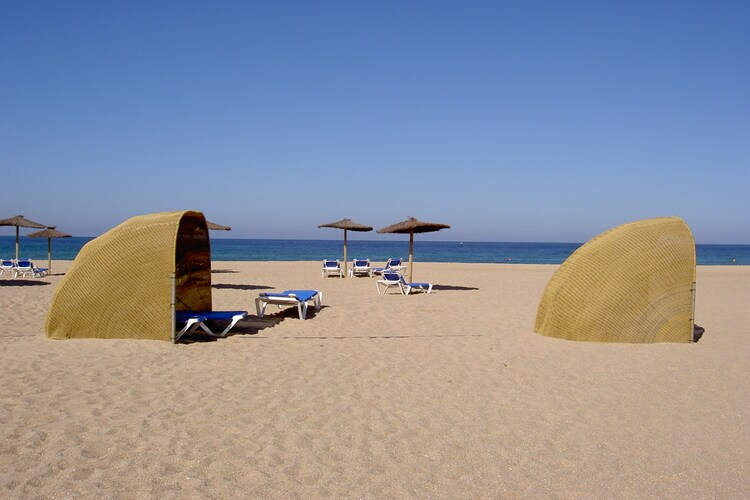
x=446, y=395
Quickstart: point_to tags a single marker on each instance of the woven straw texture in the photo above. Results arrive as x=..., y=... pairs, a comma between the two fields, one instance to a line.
x=634, y=283
x=119, y=285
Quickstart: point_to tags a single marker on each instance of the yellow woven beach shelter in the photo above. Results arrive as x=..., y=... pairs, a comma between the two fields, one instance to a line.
x=124, y=283
x=634, y=283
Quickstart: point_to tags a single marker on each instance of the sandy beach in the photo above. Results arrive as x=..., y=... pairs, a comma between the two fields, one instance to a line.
x=446, y=395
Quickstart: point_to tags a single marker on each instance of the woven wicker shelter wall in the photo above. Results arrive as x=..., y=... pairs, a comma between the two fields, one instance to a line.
x=119, y=285
x=634, y=283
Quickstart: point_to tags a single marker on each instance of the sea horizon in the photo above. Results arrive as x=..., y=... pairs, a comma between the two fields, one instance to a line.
x=288, y=249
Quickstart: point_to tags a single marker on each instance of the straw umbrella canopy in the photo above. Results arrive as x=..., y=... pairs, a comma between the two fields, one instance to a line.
x=217, y=227
x=20, y=221
x=49, y=233
x=411, y=226
x=347, y=225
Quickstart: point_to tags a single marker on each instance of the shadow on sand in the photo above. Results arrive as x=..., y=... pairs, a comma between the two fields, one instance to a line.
x=241, y=287
x=23, y=282
x=250, y=326
x=454, y=288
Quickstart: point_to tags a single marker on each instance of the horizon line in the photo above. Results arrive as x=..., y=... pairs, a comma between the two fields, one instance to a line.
x=415, y=240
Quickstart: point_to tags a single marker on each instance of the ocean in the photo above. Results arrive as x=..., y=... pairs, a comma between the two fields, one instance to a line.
x=223, y=249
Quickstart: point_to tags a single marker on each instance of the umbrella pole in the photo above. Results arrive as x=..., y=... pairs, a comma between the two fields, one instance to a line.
x=411, y=256
x=49, y=254
x=345, y=253
x=16, y=243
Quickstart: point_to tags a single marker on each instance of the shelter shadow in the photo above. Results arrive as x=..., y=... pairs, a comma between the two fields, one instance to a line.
x=22, y=282
x=250, y=325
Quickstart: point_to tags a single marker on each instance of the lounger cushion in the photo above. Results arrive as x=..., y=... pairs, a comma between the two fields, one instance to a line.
x=303, y=295
x=182, y=316
x=209, y=315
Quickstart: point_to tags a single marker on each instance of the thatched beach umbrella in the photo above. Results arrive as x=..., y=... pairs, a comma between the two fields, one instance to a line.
x=217, y=227
x=49, y=233
x=347, y=225
x=20, y=221
x=411, y=226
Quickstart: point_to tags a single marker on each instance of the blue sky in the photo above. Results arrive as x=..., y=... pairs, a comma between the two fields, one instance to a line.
x=510, y=121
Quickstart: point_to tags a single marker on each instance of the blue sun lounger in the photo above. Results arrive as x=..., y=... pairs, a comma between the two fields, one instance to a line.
x=197, y=319
x=332, y=267
x=6, y=265
x=24, y=267
x=298, y=298
x=394, y=279
x=391, y=265
x=360, y=266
